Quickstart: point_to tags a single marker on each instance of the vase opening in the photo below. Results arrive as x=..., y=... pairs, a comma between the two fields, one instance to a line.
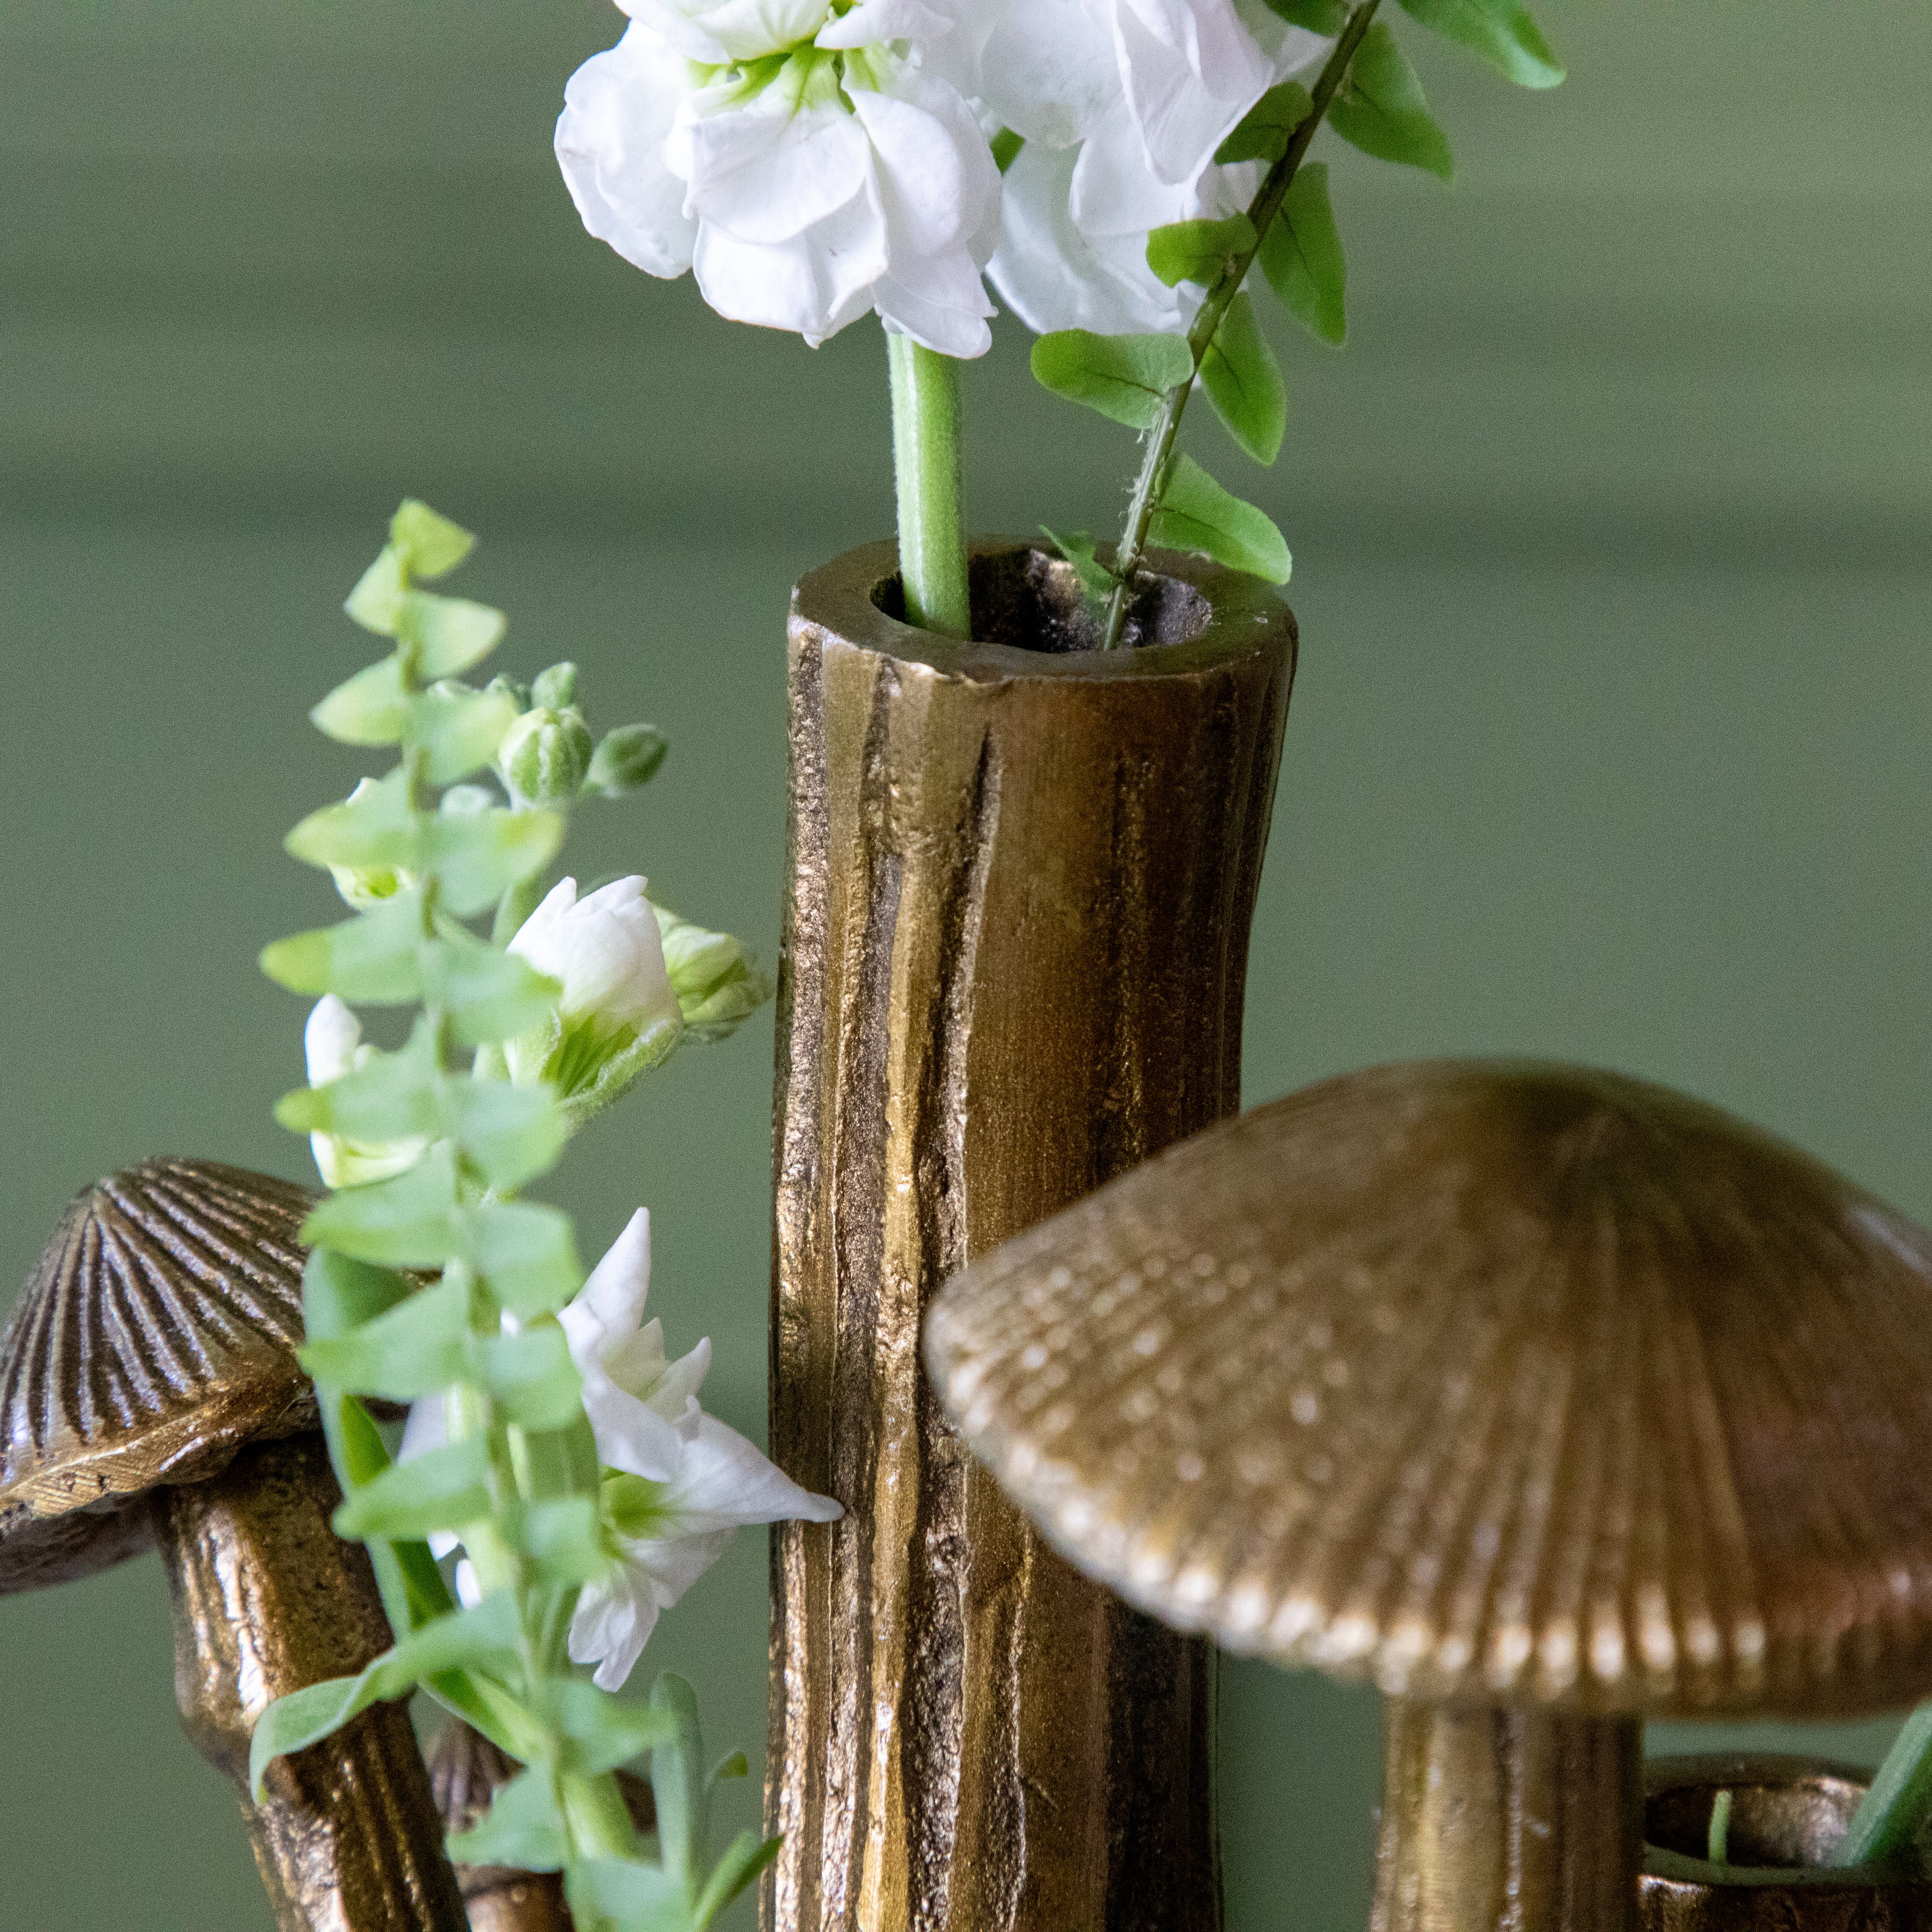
x=1790, y=1823
x=1030, y=600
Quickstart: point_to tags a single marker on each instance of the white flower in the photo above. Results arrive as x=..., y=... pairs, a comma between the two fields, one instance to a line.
x=1122, y=103
x=678, y=1482
x=619, y=1014
x=805, y=166
x=332, y=1046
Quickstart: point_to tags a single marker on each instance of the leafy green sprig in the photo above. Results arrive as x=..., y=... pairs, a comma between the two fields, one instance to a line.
x=1370, y=94
x=438, y=1280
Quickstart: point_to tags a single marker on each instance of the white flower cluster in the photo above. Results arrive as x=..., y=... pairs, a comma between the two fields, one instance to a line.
x=816, y=160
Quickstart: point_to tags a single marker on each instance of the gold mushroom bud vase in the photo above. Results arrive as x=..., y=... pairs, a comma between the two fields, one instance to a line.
x=151, y=1395
x=1546, y=1398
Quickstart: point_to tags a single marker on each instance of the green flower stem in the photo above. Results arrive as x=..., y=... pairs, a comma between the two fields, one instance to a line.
x=1261, y=210
x=925, y=467
x=1894, y=1811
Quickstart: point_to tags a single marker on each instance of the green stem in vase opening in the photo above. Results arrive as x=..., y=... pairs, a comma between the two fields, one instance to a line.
x=1896, y=1806
x=1261, y=211
x=925, y=467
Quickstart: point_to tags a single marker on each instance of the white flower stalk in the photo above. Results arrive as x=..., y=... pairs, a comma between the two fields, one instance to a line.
x=677, y=1482
x=333, y=1047
x=1122, y=103
x=618, y=1015
x=803, y=163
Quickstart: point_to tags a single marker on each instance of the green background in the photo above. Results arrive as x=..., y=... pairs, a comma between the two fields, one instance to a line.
x=1609, y=742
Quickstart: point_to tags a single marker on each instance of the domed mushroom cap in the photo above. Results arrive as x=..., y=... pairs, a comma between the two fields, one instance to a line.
x=156, y=1337
x=1493, y=1382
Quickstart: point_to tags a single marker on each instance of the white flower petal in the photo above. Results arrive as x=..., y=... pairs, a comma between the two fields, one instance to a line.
x=937, y=180
x=873, y=20
x=619, y=108
x=769, y=169
x=1048, y=69
x=329, y=1041
x=611, y=1303
x=630, y=1435
x=425, y=1430
x=1190, y=70
x=813, y=287
x=724, y=1482
x=614, y=1618
x=716, y=31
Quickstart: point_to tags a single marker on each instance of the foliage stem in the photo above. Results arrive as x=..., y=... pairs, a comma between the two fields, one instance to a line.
x=926, y=469
x=1896, y=1806
x=1261, y=210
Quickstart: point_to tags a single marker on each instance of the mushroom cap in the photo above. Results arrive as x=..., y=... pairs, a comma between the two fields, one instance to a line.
x=1492, y=1382
x=154, y=1339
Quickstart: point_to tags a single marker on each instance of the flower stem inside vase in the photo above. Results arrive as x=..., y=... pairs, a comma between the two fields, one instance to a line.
x=925, y=467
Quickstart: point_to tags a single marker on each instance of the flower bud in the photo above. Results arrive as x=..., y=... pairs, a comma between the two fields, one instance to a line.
x=363, y=886
x=715, y=977
x=545, y=756
x=556, y=688
x=627, y=758
x=519, y=695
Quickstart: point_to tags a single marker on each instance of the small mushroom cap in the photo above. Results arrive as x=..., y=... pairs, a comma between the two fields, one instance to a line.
x=1490, y=1382
x=156, y=1337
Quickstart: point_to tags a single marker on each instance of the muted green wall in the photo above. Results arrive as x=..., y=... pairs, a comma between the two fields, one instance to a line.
x=1612, y=577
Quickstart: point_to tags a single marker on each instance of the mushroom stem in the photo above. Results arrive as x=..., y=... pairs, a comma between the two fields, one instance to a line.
x=267, y=1599
x=1499, y=1819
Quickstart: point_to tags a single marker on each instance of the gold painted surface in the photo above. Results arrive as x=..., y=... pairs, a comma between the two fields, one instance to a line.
x=1493, y=1382
x=1016, y=933
x=267, y=1600
x=1497, y=1820
x=1786, y=1814
x=155, y=1337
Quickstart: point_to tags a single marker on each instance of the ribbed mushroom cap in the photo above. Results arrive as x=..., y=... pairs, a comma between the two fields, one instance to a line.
x=156, y=1337
x=1494, y=1381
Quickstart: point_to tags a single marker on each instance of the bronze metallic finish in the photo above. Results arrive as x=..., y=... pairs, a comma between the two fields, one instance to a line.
x=1495, y=1382
x=267, y=1599
x=155, y=1337
x=465, y=1769
x=1016, y=933
x=1502, y=1820
x=1786, y=1814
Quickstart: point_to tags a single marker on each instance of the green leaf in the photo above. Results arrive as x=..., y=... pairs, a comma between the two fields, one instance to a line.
x=446, y=635
x=526, y=1253
x=627, y=758
x=408, y=1221
x=523, y=1829
x=457, y=730
x=604, y=1731
x=531, y=1374
x=1244, y=383
x=1198, y=251
x=512, y=1133
x=677, y=1779
x=1301, y=256
x=488, y=994
x=371, y=708
x=1077, y=547
x=484, y=1636
x=372, y=958
x=477, y=855
x=420, y=1345
x=744, y=1858
x=339, y=1294
x=374, y=827
x=1006, y=145
x=1499, y=31
x=1380, y=108
x=1196, y=513
x=429, y=545
x=639, y=1897
x=376, y=601
x=442, y=1489
x=1325, y=17
x=1124, y=377
x=392, y=1097
x=563, y=1539
x=1264, y=131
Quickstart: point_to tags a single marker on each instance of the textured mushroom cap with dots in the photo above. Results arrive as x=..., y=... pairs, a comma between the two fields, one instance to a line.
x=1486, y=1381
x=154, y=1339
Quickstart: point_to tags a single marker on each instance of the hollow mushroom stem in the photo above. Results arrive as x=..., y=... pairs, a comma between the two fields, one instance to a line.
x=267, y=1599
x=1498, y=1818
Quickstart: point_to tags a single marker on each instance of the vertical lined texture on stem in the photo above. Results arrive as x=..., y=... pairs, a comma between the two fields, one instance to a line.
x=1016, y=938
x=1499, y=1819
x=926, y=471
